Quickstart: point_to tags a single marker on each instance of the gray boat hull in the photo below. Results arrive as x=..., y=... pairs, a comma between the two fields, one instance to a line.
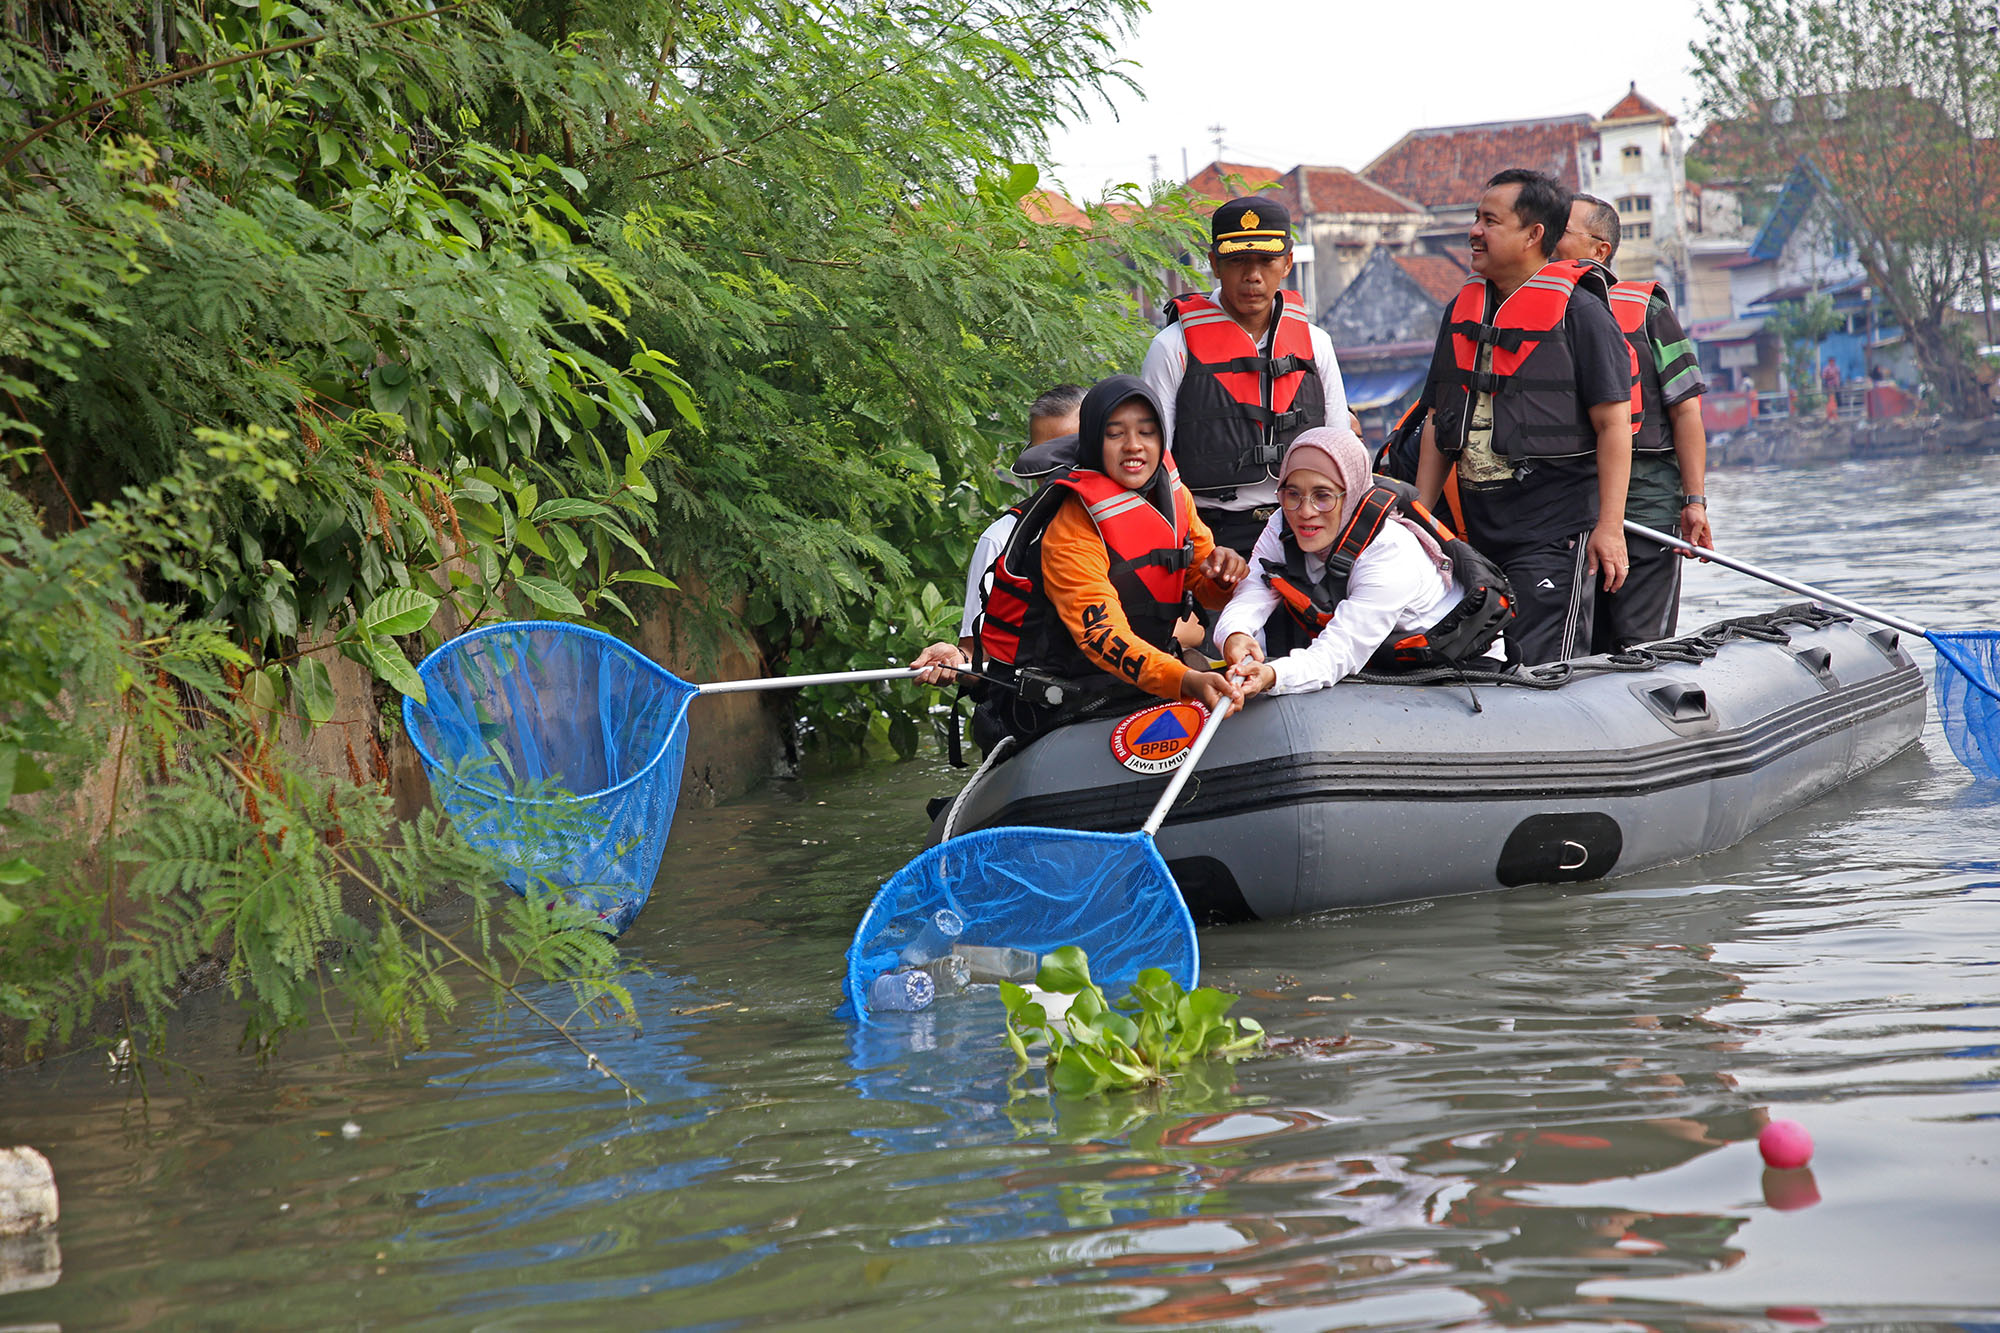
x=1378, y=793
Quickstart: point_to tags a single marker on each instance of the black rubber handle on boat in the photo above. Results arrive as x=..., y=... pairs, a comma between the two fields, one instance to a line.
x=1745, y=567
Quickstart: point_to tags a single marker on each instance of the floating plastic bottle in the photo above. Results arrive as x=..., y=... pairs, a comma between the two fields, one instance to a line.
x=989, y=963
x=941, y=930
x=951, y=974
x=904, y=991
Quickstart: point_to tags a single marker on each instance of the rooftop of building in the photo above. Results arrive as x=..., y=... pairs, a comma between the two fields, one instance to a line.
x=1439, y=275
x=1634, y=105
x=1448, y=166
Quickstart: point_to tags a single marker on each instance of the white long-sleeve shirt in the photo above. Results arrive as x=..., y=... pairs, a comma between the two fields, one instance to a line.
x=979, y=574
x=1166, y=365
x=1395, y=589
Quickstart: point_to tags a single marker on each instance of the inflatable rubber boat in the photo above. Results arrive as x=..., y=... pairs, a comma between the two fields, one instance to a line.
x=1387, y=789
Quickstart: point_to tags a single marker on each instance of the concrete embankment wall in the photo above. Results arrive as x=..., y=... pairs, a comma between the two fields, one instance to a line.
x=737, y=745
x=1800, y=440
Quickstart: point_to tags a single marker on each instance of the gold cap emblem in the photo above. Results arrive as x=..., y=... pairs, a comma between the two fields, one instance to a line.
x=1249, y=222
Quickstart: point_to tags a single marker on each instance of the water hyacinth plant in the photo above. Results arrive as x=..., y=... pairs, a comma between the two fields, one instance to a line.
x=1094, y=1047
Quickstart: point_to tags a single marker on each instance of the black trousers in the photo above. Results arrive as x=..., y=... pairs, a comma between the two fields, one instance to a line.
x=1553, y=605
x=1237, y=529
x=1648, y=607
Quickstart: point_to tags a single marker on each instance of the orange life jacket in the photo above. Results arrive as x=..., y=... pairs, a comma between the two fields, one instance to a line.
x=1304, y=607
x=1630, y=302
x=1536, y=411
x=1237, y=408
x=1019, y=626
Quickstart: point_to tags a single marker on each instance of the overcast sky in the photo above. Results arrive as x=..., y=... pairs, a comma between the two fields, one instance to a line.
x=1341, y=81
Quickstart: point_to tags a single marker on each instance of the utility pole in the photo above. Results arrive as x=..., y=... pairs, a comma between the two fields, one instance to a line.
x=1216, y=130
x=1153, y=168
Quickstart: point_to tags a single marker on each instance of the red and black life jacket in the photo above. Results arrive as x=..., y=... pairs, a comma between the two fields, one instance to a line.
x=1304, y=607
x=1630, y=302
x=1018, y=624
x=1237, y=408
x=1536, y=411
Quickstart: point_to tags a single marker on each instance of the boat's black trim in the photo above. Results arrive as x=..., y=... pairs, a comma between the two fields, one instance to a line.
x=1290, y=780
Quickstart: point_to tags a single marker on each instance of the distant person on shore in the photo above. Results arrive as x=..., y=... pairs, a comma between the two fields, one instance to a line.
x=1051, y=446
x=1669, y=445
x=1095, y=575
x=1239, y=372
x=1532, y=386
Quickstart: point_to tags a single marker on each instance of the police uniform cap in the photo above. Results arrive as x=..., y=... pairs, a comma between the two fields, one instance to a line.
x=1258, y=225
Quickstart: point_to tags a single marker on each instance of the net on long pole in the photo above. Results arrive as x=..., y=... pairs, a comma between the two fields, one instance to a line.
x=1033, y=890
x=1968, y=662
x=557, y=750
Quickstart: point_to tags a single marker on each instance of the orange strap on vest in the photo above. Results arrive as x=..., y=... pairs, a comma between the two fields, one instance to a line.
x=1140, y=539
x=1629, y=302
x=1532, y=313
x=1219, y=343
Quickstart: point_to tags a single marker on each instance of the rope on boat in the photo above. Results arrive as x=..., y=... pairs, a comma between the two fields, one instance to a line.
x=1692, y=649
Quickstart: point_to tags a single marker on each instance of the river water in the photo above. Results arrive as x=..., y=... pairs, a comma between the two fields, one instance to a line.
x=1536, y=1107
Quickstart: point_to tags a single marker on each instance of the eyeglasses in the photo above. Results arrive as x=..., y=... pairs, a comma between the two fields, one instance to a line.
x=1591, y=234
x=1321, y=500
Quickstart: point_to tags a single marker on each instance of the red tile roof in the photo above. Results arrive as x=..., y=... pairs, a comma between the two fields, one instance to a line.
x=1632, y=106
x=1213, y=181
x=1448, y=166
x=1338, y=190
x=1439, y=275
x=1049, y=207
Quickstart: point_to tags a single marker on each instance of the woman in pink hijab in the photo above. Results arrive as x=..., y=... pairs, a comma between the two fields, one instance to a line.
x=1297, y=628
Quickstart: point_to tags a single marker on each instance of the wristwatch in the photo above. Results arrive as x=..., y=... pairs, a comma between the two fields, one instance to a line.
x=1687, y=500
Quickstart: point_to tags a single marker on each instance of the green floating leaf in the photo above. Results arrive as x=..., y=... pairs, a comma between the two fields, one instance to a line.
x=1065, y=971
x=19, y=870
x=10, y=911
x=399, y=611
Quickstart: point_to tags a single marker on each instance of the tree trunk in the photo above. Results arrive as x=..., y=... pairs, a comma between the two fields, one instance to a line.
x=1959, y=392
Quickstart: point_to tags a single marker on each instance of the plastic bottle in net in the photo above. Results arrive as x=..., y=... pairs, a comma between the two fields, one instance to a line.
x=1033, y=890
x=557, y=750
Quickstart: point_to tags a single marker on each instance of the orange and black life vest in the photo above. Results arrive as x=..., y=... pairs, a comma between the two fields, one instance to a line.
x=1238, y=408
x=1536, y=411
x=1630, y=302
x=1018, y=625
x=1304, y=607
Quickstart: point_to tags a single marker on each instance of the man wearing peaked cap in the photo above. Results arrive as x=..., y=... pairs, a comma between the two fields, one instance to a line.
x=1241, y=371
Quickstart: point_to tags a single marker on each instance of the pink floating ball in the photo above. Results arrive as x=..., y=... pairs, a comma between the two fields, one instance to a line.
x=1785, y=1144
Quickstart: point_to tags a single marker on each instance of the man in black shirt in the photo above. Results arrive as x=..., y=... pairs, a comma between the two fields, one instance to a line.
x=1669, y=449
x=1531, y=396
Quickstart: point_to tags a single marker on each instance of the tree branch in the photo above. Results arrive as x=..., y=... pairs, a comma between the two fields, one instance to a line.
x=16, y=148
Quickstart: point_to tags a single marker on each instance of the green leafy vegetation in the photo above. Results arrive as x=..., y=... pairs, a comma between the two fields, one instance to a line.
x=1800, y=326
x=1159, y=1030
x=328, y=328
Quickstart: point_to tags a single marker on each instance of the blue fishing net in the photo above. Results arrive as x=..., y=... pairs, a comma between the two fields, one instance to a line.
x=1968, y=662
x=1034, y=889
x=557, y=751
